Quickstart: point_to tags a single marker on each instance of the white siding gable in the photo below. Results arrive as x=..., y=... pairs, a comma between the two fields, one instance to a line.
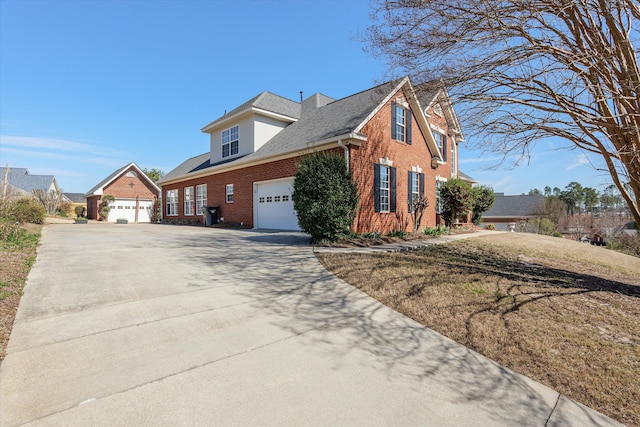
x=254, y=131
x=265, y=128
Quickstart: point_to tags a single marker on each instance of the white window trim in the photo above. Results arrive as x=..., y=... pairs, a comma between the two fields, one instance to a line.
x=189, y=201
x=230, y=141
x=229, y=193
x=415, y=185
x=386, y=189
x=201, y=198
x=385, y=161
x=442, y=180
x=173, y=202
x=401, y=125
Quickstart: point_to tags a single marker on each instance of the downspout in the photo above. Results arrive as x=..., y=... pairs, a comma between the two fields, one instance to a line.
x=346, y=152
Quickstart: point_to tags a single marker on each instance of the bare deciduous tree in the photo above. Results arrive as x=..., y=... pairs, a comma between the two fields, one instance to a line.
x=523, y=70
x=50, y=200
x=418, y=206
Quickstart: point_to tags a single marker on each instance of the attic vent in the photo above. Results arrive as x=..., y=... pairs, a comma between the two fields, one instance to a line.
x=132, y=174
x=437, y=110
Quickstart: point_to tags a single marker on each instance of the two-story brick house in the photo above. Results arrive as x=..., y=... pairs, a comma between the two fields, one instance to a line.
x=399, y=142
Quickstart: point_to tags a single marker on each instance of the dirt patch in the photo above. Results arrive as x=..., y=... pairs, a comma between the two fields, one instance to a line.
x=564, y=313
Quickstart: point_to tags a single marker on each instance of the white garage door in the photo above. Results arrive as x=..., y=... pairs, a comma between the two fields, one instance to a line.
x=274, y=206
x=126, y=209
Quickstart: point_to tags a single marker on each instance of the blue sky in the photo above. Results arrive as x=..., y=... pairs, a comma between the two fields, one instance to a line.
x=87, y=87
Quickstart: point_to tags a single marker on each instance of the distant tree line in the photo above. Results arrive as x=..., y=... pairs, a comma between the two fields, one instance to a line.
x=585, y=212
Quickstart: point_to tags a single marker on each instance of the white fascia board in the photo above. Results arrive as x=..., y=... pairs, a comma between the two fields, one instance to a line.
x=450, y=115
x=352, y=139
x=99, y=191
x=271, y=114
x=224, y=120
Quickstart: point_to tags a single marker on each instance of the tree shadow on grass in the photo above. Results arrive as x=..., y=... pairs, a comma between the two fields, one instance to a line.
x=284, y=281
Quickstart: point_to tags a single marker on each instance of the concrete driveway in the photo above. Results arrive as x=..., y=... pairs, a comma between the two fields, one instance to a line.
x=154, y=325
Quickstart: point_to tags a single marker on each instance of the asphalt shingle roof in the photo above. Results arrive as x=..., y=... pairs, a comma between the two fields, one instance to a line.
x=105, y=181
x=320, y=118
x=333, y=119
x=515, y=206
x=20, y=178
x=265, y=101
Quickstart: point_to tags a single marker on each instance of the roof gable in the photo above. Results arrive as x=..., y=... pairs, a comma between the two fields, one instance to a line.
x=97, y=190
x=433, y=92
x=265, y=102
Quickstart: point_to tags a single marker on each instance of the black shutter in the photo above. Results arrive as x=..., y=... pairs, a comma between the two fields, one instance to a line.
x=408, y=126
x=392, y=190
x=421, y=178
x=393, y=121
x=376, y=188
x=410, y=198
x=444, y=147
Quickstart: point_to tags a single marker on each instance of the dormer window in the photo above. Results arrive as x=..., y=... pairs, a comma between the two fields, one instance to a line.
x=230, y=142
x=400, y=123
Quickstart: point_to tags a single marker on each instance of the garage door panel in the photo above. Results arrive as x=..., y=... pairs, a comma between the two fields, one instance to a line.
x=274, y=206
x=126, y=209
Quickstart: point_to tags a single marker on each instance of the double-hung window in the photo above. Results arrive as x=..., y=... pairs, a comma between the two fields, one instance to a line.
x=229, y=193
x=188, y=200
x=400, y=123
x=416, y=188
x=172, y=203
x=201, y=198
x=230, y=142
x=438, y=198
x=384, y=189
x=441, y=142
x=454, y=171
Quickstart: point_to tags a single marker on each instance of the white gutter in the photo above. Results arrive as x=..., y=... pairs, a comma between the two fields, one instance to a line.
x=243, y=162
x=346, y=152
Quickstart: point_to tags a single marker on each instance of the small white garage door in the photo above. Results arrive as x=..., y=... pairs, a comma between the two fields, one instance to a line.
x=126, y=209
x=274, y=205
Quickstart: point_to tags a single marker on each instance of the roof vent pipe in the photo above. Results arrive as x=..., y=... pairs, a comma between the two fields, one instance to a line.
x=346, y=152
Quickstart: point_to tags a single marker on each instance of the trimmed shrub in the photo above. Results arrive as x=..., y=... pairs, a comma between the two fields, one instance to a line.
x=80, y=211
x=324, y=196
x=26, y=209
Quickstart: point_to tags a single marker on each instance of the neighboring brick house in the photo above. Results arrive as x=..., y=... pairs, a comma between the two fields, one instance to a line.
x=136, y=195
x=399, y=141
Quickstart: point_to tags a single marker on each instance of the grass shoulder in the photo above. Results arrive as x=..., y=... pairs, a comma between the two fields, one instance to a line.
x=17, y=255
x=563, y=313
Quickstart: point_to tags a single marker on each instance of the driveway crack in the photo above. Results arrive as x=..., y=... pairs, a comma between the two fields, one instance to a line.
x=552, y=410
